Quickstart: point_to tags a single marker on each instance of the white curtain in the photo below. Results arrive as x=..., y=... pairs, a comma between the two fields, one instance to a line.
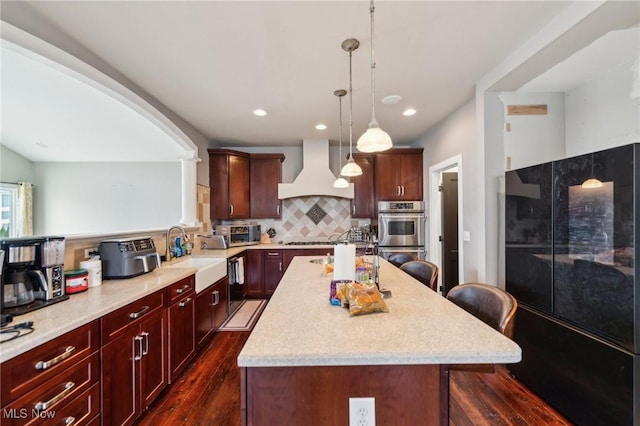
x=24, y=209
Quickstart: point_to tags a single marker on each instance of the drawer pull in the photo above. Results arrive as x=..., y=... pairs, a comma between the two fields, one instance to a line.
x=69, y=420
x=41, y=406
x=183, y=289
x=185, y=302
x=43, y=365
x=135, y=315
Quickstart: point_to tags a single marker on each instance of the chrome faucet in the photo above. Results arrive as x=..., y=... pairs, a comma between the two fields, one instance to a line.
x=169, y=254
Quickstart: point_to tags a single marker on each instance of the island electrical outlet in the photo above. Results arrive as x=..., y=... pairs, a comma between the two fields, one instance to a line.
x=362, y=411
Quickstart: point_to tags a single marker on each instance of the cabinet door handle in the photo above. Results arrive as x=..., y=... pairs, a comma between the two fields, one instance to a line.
x=139, y=340
x=215, y=298
x=184, y=302
x=278, y=209
x=183, y=289
x=280, y=266
x=43, y=365
x=146, y=342
x=230, y=209
x=69, y=421
x=353, y=208
x=135, y=315
x=41, y=406
x=398, y=190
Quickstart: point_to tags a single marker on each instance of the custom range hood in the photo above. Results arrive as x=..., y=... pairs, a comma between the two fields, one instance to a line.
x=315, y=178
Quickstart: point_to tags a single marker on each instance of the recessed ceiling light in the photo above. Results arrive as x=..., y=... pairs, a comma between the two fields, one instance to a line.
x=409, y=111
x=259, y=112
x=321, y=126
x=391, y=100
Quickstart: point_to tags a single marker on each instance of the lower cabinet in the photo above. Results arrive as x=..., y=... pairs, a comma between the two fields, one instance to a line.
x=212, y=309
x=264, y=271
x=59, y=379
x=134, y=358
x=181, y=297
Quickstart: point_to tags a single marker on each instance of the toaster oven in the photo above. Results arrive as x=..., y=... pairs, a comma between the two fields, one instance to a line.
x=239, y=235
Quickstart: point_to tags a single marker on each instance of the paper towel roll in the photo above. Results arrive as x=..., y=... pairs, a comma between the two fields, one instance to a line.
x=344, y=264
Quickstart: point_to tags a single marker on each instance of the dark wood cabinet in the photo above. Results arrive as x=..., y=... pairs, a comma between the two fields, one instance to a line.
x=254, y=274
x=263, y=272
x=363, y=204
x=398, y=175
x=134, y=358
x=181, y=310
x=229, y=180
x=265, y=175
x=273, y=270
x=289, y=254
x=212, y=309
x=44, y=373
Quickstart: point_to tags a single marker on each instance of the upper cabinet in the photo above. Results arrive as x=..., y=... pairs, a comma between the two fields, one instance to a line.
x=265, y=175
x=229, y=179
x=398, y=175
x=363, y=204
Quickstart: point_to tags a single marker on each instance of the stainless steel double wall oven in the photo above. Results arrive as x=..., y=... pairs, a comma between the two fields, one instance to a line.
x=401, y=228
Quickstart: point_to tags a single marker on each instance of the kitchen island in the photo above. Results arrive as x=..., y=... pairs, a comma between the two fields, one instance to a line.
x=305, y=357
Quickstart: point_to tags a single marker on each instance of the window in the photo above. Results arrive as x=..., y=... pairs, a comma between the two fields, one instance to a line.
x=8, y=196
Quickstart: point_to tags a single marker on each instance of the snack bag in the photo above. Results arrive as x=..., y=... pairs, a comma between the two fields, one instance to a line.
x=365, y=299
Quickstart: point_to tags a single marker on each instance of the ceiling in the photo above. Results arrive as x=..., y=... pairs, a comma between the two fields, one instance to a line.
x=213, y=62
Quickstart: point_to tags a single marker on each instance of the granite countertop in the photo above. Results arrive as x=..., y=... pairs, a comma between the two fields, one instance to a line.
x=299, y=327
x=81, y=308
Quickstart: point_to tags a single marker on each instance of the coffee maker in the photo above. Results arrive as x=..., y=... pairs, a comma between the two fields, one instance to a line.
x=32, y=273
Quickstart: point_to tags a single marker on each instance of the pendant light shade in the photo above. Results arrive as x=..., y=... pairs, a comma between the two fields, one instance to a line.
x=374, y=139
x=351, y=168
x=592, y=182
x=340, y=182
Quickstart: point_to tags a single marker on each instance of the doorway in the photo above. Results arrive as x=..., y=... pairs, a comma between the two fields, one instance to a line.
x=445, y=222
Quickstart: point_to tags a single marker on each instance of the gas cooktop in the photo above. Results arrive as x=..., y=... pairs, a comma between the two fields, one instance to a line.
x=310, y=243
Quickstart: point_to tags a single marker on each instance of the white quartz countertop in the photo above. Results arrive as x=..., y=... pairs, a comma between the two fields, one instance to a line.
x=299, y=327
x=81, y=308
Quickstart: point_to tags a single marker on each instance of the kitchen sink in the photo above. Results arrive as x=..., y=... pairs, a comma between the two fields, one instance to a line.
x=208, y=269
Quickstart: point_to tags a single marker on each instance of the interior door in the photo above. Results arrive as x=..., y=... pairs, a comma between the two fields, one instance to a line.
x=449, y=232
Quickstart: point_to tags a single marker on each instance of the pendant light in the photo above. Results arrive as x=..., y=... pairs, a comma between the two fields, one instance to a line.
x=592, y=182
x=351, y=168
x=340, y=181
x=374, y=139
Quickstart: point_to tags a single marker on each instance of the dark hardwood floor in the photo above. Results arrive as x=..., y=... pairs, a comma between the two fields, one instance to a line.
x=208, y=393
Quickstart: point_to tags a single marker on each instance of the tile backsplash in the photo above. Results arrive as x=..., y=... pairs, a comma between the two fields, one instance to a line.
x=312, y=217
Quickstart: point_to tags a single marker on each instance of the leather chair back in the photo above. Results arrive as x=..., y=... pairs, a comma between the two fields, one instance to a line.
x=424, y=271
x=492, y=305
x=399, y=258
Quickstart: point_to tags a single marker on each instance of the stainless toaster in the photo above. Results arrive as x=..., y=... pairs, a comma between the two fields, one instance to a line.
x=128, y=257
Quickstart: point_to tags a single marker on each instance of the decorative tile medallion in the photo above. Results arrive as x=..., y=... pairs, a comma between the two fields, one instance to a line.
x=316, y=214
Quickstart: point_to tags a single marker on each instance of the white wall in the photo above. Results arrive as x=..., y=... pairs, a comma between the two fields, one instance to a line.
x=14, y=167
x=456, y=136
x=91, y=198
x=604, y=112
x=534, y=139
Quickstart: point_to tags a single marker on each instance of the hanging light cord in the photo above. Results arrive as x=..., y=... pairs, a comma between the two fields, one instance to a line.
x=340, y=99
x=350, y=108
x=373, y=74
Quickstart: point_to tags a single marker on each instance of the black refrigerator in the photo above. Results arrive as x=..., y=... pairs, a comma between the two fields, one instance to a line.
x=571, y=232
